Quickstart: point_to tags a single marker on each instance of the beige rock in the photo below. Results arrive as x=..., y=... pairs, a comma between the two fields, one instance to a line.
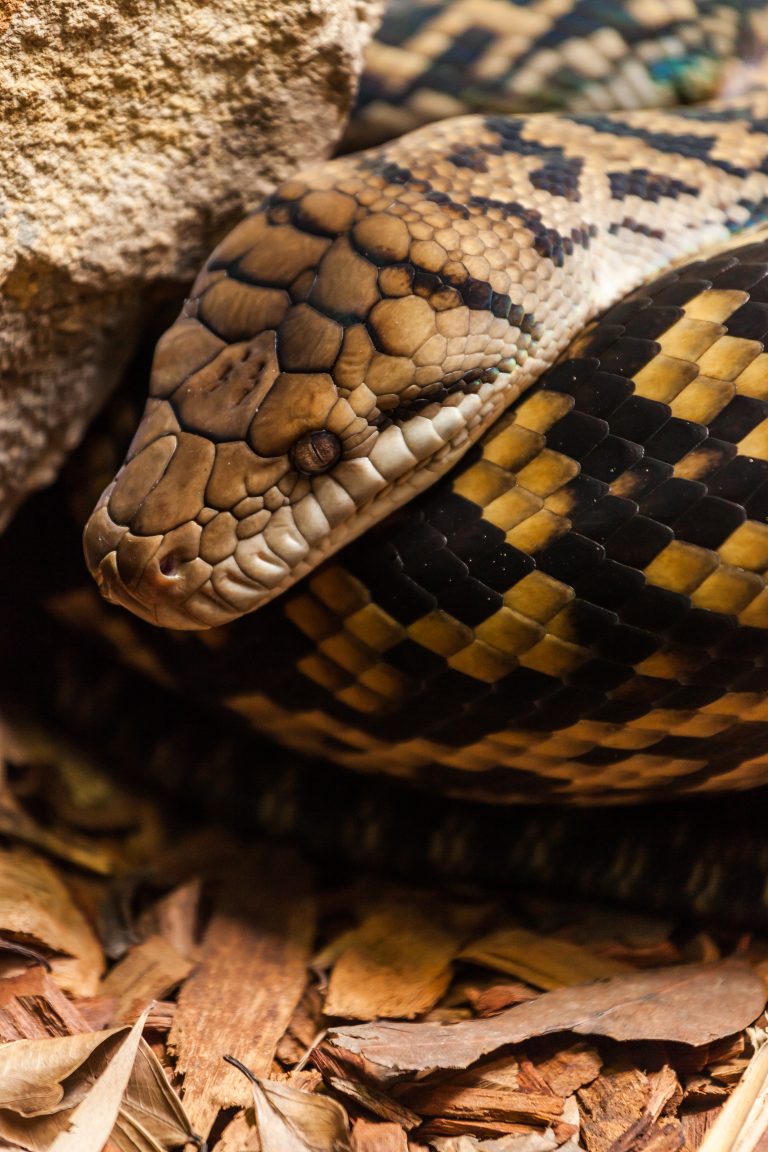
x=134, y=133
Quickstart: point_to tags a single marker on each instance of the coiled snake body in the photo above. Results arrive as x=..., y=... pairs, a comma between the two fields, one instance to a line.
x=578, y=609
x=579, y=612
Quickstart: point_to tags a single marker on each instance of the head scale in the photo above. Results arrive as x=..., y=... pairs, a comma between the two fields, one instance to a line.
x=339, y=351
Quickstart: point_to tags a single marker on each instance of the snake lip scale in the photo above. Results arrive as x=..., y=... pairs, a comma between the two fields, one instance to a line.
x=356, y=299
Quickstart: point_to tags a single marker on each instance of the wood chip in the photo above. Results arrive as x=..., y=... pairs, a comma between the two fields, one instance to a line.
x=251, y=975
x=149, y=971
x=620, y=1108
x=485, y=1129
x=240, y=1134
x=304, y=1029
x=375, y=1102
x=175, y=918
x=567, y=1068
x=397, y=964
x=509, y=1090
x=497, y=997
x=743, y=1121
x=36, y=906
x=611, y=1106
x=368, y=1136
x=33, y=1007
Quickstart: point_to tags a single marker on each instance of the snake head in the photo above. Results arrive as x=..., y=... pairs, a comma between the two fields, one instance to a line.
x=339, y=351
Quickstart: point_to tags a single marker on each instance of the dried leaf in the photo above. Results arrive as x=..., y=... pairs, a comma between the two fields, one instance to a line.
x=35, y=905
x=89, y=1125
x=289, y=1120
x=543, y=961
x=43, y=1083
x=250, y=977
x=692, y=1004
x=151, y=1110
x=149, y=971
x=396, y=964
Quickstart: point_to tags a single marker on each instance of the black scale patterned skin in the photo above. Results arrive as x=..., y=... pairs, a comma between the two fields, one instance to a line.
x=705, y=858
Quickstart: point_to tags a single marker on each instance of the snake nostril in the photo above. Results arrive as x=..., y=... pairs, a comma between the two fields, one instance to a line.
x=169, y=565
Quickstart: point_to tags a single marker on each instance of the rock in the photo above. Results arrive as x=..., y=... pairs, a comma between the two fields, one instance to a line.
x=135, y=133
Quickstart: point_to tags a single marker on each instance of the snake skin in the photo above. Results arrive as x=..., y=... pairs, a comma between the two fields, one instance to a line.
x=703, y=858
x=345, y=345
x=579, y=612
x=432, y=59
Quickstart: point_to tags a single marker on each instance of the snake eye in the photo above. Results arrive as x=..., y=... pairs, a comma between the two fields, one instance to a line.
x=315, y=452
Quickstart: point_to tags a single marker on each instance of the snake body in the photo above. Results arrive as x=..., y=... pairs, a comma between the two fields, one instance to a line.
x=579, y=612
x=346, y=344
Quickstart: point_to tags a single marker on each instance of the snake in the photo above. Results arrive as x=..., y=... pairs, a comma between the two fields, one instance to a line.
x=452, y=466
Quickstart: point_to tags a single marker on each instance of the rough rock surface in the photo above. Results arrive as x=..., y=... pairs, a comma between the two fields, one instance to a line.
x=135, y=133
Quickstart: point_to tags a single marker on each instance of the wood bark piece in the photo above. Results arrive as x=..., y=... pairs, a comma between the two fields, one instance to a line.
x=32, y=1006
x=496, y=997
x=251, y=975
x=568, y=1068
x=690, y=1004
x=135, y=134
x=508, y=1090
x=149, y=971
x=543, y=961
x=396, y=964
x=619, y=1109
x=743, y=1122
x=368, y=1136
x=35, y=906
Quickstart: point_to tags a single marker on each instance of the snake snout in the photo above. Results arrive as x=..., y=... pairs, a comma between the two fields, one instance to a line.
x=152, y=576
